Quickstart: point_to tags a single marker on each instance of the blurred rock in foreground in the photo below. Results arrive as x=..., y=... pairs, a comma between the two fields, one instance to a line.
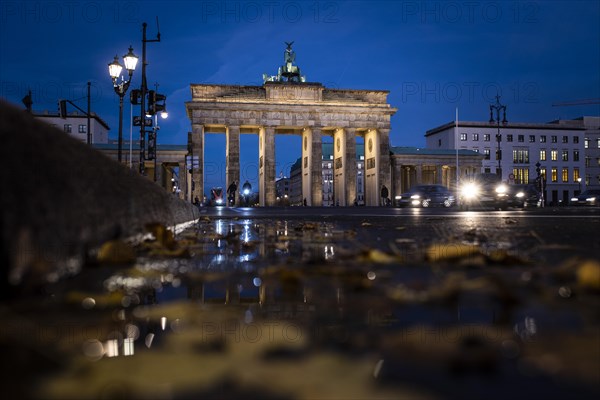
x=60, y=197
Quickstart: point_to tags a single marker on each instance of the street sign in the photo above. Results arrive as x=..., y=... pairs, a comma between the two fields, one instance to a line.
x=137, y=121
x=192, y=162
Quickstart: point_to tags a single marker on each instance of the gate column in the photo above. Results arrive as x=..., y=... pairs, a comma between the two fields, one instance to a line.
x=232, y=156
x=312, y=167
x=344, y=166
x=198, y=170
x=266, y=166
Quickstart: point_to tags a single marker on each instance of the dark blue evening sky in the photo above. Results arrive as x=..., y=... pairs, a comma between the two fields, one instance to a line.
x=433, y=56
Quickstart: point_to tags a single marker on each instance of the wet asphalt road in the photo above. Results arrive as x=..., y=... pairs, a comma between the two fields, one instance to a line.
x=551, y=234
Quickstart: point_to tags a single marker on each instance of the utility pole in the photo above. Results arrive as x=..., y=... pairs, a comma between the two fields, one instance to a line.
x=143, y=91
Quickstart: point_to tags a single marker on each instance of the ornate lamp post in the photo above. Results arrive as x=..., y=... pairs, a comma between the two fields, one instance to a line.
x=114, y=69
x=498, y=107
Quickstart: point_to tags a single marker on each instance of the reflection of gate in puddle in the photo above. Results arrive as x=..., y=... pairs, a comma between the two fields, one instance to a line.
x=239, y=252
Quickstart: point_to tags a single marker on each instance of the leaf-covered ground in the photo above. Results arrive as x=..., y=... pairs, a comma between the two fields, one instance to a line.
x=269, y=309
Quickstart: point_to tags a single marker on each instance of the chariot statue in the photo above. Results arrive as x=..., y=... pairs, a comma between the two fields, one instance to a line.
x=288, y=72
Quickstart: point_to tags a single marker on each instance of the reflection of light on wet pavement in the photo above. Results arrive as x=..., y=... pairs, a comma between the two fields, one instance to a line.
x=329, y=252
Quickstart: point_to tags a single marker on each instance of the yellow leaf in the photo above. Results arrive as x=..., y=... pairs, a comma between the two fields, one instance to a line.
x=450, y=251
x=116, y=252
x=588, y=274
x=378, y=256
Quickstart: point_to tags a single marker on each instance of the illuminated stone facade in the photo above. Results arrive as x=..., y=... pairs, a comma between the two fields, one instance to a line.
x=306, y=109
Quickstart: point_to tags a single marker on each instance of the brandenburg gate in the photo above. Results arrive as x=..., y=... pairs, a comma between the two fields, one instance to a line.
x=286, y=104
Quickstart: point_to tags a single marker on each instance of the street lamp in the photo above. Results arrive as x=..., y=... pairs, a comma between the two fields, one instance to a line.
x=498, y=107
x=579, y=182
x=114, y=69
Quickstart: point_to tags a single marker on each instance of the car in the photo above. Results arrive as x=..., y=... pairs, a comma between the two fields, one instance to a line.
x=590, y=197
x=486, y=190
x=524, y=196
x=426, y=196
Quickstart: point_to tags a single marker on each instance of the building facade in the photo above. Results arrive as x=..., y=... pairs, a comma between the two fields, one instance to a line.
x=417, y=166
x=75, y=124
x=559, y=148
x=591, y=145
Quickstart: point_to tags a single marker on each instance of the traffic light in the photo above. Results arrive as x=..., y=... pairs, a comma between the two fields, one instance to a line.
x=156, y=102
x=135, y=96
x=62, y=109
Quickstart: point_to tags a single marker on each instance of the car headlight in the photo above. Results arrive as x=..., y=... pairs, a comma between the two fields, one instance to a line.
x=415, y=197
x=591, y=199
x=520, y=194
x=574, y=199
x=246, y=191
x=469, y=190
x=398, y=197
x=501, y=189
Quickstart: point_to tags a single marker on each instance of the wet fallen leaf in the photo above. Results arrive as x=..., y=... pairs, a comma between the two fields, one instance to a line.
x=116, y=252
x=163, y=235
x=450, y=251
x=378, y=256
x=588, y=274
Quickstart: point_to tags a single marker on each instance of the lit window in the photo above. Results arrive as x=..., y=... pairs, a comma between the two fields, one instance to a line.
x=82, y=128
x=520, y=156
x=565, y=155
x=521, y=175
x=486, y=137
x=543, y=139
x=554, y=174
x=586, y=143
x=463, y=137
x=576, y=175
x=542, y=155
x=475, y=137
x=598, y=143
x=553, y=154
x=486, y=153
x=565, y=174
